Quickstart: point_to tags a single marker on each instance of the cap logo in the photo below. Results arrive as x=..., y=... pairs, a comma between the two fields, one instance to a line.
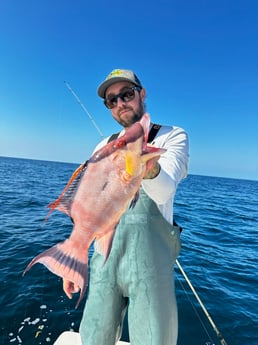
x=119, y=73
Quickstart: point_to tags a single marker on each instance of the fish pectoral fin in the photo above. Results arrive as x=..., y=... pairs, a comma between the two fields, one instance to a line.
x=132, y=163
x=103, y=244
x=67, y=261
x=151, y=152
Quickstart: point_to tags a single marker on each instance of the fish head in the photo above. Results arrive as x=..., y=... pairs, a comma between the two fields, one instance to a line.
x=136, y=136
x=134, y=148
x=130, y=147
x=130, y=152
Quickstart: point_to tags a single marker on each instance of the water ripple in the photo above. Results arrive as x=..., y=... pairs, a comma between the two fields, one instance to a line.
x=219, y=254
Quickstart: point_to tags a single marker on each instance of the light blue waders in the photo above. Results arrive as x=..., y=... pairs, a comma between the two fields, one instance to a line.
x=139, y=270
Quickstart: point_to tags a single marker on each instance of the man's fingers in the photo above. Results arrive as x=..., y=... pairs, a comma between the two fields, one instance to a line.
x=69, y=288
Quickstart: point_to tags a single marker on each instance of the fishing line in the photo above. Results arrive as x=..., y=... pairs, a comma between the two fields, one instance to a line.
x=84, y=109
x=219, y=335
x=195, y=310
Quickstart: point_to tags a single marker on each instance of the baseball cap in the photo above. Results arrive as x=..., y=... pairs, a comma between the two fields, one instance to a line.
x=115, y=76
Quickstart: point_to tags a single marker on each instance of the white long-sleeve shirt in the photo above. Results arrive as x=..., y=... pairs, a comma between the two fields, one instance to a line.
x=174, y=167
x=173, y=164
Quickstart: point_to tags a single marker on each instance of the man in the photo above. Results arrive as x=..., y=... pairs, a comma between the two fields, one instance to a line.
x=138, y=274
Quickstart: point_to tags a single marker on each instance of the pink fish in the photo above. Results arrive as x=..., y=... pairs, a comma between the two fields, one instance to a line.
x=96, y=196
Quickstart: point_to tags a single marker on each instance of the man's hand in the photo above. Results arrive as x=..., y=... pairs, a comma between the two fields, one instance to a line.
x=152, y=168
x=69, y=288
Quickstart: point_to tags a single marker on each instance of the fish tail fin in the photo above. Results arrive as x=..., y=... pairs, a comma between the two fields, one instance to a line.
x=56, y=204
x=66, y=261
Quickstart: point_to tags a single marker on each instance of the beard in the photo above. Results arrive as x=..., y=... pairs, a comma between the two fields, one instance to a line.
x=132, y=116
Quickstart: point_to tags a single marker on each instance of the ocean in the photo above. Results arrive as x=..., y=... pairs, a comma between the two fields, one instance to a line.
x=219, y=254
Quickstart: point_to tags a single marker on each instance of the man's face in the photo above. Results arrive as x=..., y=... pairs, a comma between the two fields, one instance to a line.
x=126, y=112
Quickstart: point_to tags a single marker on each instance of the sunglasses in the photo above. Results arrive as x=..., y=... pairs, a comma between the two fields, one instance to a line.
x=126, y=96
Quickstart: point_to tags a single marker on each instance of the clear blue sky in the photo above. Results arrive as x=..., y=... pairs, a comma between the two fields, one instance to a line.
x=197, y=59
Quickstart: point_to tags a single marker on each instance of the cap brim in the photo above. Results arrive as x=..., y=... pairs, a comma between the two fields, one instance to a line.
x=103, y=87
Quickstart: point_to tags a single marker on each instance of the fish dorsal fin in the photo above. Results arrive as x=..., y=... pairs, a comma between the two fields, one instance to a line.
x=63, y=202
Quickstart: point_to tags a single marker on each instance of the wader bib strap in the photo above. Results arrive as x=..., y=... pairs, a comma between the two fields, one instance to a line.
x=152, y=134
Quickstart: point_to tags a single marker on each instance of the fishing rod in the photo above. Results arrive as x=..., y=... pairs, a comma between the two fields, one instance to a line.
x=218, y=333
x=84, y=109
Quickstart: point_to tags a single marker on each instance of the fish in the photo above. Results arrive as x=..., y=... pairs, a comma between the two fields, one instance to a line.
x=97, y=195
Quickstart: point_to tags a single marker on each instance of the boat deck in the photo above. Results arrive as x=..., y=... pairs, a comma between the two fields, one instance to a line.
x=73, y=338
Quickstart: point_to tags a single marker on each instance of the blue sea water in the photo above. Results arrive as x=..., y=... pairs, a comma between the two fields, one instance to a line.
x=219, y=255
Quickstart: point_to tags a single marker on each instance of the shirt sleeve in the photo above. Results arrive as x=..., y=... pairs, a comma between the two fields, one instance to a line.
x=173, y=164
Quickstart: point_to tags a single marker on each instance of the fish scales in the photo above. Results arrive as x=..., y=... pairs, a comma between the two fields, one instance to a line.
x=95, y=197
